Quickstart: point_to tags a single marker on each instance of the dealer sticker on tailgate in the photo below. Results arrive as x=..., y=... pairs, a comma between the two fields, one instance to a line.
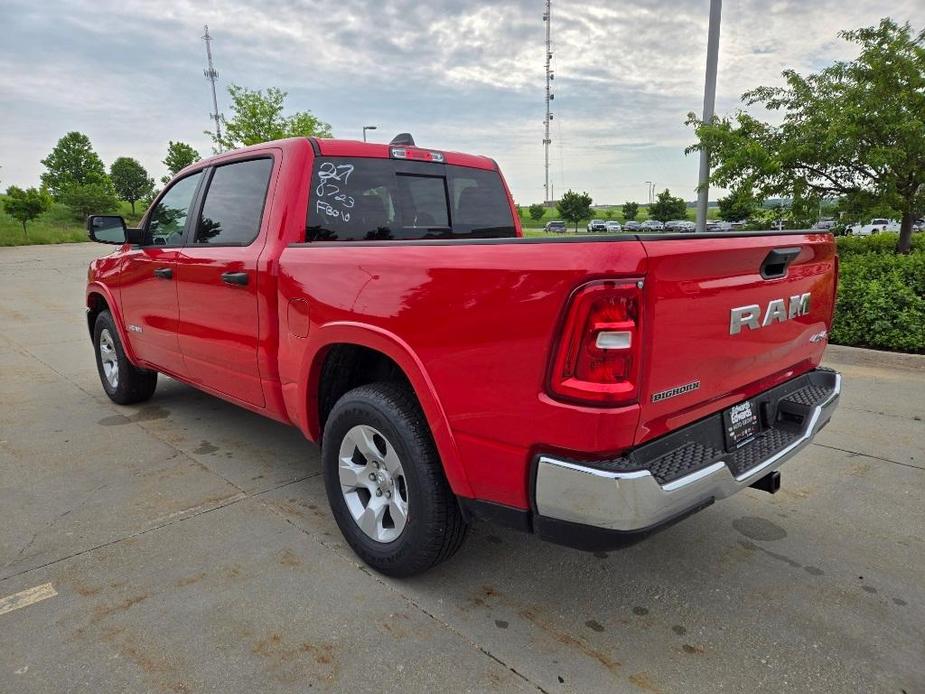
x=741, y=424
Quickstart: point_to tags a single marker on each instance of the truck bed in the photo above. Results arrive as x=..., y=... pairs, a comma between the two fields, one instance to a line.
x=477, y=321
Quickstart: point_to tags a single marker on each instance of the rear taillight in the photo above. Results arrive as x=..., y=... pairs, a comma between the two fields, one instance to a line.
x=598, y=356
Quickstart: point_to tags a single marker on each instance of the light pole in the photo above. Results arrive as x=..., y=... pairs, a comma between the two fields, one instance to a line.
x=649, y=186
x=709, y=101
x=367, y=127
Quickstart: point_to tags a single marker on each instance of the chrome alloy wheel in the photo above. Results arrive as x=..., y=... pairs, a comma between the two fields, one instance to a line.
x=373, y=483
x=109, y=359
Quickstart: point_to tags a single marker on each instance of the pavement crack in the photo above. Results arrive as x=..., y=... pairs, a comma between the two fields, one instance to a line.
x=139, y=424
x=868, y=455
x=908, y=418
x=237, y=498
x=50, y=524
x=423, y=610
x=22, y=550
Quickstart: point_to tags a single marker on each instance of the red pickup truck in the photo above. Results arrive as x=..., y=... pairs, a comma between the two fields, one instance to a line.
x=381, y=298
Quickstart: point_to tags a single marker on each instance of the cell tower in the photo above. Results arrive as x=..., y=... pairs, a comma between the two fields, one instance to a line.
x=212, y=75
x=547, y=17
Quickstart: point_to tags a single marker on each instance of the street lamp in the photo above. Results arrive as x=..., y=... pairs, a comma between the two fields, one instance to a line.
x=365, y=128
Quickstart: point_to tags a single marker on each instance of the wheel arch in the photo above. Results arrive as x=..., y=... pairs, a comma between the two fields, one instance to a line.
x=375, y=352
x=100, y=299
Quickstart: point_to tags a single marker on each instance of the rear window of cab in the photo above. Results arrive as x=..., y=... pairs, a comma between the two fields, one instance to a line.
x=357, y=199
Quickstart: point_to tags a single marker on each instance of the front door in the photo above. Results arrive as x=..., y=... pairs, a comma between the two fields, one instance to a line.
x=217, y=282
x=148, y=279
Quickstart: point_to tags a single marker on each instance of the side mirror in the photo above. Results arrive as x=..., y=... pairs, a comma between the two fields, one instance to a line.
x=111, y=229
x=106, y=229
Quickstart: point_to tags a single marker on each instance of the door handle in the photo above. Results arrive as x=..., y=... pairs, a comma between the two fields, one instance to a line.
x=164, y=273
x=234, y=278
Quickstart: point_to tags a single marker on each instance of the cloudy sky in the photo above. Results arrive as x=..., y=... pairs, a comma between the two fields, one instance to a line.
x=457, y=74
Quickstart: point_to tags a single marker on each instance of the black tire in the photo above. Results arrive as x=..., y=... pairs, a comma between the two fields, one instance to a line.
x=132, y=384
x=435, y=528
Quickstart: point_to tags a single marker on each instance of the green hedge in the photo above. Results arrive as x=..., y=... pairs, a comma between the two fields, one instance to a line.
x=881, y=296
x=882, y=244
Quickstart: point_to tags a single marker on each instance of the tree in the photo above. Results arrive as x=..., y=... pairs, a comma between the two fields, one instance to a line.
x=72, y=162
x=257, y=117
x=854, y=128
x=668, y=207
x=25, y=205
x=739, y=205
x=90, y=198
x=573, y=207
x=179, y=156
x=630, y=210
x=537, y=211
x=130, y=180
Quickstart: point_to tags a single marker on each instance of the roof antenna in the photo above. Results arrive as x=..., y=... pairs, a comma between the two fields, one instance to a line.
x=403, y=139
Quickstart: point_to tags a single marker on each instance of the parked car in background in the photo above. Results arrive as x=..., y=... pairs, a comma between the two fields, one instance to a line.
x=632, y=225
x=722, y=225
x=555, y=227
x=875, y=227
x=680, y=225
x=824, y=224
x=651, y=225
x=597, y=225
x=613, y=226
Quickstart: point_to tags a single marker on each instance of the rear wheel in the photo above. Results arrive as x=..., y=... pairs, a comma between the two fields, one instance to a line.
x=385, y=482
x=124, y=383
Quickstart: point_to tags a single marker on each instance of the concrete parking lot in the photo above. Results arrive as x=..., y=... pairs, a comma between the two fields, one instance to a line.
x=185, y=545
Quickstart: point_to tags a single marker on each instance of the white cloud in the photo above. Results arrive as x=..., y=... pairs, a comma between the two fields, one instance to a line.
x=459, y=75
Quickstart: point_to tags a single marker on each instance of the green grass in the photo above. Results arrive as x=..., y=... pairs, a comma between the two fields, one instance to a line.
x=57, y=225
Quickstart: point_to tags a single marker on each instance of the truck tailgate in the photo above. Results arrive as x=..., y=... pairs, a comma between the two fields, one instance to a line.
x=727, y=317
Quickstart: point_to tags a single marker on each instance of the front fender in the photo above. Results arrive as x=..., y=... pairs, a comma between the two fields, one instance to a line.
x=98, y=288
x=400, y=352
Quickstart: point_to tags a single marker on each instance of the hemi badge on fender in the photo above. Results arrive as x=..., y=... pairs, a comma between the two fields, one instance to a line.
x=677, y=390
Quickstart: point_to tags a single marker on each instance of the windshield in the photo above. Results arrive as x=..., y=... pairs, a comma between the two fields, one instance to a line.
x=359, y=199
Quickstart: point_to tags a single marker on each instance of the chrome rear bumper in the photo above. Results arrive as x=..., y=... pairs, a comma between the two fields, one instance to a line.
x=633, y=501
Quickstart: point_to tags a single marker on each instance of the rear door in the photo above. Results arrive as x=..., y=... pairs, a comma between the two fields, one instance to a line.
x=148, y=291
x=728, y=316
x=218, y=281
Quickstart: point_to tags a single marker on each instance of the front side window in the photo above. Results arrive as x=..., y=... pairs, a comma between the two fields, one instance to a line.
x=234, y=202
x=167, y=220
x=366, y=199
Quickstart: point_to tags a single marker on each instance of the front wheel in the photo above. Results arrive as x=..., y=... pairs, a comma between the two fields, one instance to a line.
x=385, y=482
x=123, y=382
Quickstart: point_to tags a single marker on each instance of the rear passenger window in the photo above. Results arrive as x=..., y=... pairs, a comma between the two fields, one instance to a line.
x=234, y=203
x=366, y=199
x=480, y=204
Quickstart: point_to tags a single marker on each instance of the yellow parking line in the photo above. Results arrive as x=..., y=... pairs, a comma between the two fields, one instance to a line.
x=24, y=598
